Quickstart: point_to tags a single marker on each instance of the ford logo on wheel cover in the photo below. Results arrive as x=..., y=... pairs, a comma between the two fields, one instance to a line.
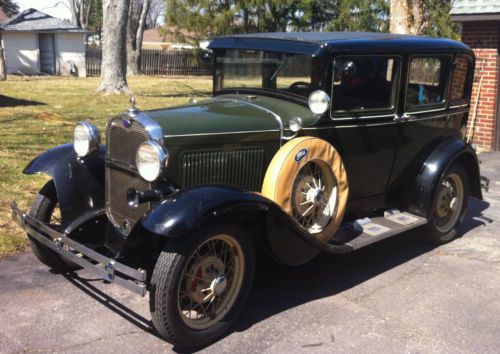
x=300, y=155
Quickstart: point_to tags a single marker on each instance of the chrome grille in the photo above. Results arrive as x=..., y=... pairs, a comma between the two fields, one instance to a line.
x=121, y=173
x=242, y=168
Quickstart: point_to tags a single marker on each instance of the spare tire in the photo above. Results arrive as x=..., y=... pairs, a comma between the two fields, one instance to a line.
x=308, y=180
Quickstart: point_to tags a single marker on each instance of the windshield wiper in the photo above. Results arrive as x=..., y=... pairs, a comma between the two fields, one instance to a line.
x=273, y=76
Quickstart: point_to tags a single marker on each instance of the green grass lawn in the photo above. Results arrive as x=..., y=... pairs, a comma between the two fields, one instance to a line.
x=39, y=113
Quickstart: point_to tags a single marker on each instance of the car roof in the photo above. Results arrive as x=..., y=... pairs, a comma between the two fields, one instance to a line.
x=323, y=43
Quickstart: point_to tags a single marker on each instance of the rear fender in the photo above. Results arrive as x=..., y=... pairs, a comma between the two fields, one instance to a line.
x=450, y=151
x=79, y=182
x=192, y=209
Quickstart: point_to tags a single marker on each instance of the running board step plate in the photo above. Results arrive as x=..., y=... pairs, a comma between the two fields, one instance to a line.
x=366, y=231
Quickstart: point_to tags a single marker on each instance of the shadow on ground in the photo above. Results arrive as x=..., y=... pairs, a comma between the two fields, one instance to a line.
x=278, y=288
x=6, y=101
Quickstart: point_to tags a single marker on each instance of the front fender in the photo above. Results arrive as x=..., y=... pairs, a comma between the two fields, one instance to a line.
x=450, y=151
x=190, y=209
x=79, y=182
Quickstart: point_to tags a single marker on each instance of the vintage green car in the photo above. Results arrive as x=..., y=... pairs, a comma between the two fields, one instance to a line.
x=312, y=142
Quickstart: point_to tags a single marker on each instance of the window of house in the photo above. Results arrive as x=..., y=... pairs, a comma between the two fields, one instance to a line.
x=364, y=85
x=460, y=81
x=427, y=83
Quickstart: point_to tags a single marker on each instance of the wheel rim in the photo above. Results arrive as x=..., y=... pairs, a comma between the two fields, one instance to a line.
x=314, y=196
x=211, y=282
x=449, y=203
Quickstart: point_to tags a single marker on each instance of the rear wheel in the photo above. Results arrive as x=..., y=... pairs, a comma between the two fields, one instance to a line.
x=45, y=208
x=449, y=207
x=200, y=284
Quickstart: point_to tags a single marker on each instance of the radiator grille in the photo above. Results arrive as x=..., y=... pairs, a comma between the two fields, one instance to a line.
x=121, y=173
x=242, y=168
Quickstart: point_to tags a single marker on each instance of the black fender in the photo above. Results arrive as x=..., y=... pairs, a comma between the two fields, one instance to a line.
x=190, y=209
x=448, y=152
x=79, y=183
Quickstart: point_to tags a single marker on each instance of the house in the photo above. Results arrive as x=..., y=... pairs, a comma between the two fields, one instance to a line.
x=169, y=38
x=35, y=43
x=481, y=31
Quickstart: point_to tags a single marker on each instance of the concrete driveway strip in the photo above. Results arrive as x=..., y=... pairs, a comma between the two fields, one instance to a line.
x=401, y=295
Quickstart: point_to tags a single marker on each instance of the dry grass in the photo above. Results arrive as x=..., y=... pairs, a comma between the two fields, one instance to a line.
x=39, y=113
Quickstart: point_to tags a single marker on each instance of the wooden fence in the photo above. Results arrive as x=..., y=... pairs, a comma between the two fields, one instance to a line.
x=156, y=62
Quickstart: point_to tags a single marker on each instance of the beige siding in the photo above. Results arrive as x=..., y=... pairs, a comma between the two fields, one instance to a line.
x=21, y=52
x=70, y=50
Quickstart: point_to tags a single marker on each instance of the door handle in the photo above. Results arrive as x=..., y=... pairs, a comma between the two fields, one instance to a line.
x=404, y=117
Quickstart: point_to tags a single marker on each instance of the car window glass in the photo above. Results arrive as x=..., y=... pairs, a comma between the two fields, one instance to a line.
x=364, y=84
x=426, y=82
x=458, y=87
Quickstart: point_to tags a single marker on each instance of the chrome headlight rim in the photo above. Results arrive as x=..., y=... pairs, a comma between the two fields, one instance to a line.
x=318, y=102
x=161, y=155
x=85, y=147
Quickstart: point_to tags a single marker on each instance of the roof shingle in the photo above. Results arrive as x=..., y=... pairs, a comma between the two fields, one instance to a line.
x=34, y=20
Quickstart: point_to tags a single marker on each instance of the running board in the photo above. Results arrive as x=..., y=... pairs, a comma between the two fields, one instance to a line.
x=364, y=232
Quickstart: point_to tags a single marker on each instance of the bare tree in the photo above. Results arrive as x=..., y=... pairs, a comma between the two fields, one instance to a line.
x=138, y=13
x=80, y=12
x=3, y=70
x=407, y=17
x=114, y=55
x=156, y=9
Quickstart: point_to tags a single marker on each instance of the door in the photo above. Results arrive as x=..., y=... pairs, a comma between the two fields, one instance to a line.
x=364, y=100
x=47, y=53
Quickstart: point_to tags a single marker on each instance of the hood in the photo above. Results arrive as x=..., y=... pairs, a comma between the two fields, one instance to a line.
x=229, y=114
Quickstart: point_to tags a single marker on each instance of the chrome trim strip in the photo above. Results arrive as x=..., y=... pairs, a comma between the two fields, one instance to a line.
x=223, y=133
x=35, y=228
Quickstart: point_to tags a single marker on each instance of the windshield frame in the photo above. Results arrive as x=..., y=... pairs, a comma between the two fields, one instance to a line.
x=282, y=94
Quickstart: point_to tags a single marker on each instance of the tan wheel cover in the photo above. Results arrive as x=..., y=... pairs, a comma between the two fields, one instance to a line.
x=283, y=170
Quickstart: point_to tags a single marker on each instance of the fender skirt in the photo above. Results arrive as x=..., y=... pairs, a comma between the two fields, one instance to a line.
x=450, y=151
x=190, y=209
x=79, y=183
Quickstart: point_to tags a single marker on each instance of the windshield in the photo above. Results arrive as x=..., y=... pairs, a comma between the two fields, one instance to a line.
x=279, y=72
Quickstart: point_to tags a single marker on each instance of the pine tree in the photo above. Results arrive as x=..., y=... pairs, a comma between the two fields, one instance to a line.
x=9, y=7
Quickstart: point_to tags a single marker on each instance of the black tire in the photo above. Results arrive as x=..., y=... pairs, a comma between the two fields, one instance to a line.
x=436, y=234
x=169, y=275
x=42, y=209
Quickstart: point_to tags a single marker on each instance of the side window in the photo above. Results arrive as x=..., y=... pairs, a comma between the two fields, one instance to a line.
x=364, y=85
x=427, y=83
x=460, y=81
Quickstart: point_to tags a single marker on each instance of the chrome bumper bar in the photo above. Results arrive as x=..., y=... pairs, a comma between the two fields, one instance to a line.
x=105, y=267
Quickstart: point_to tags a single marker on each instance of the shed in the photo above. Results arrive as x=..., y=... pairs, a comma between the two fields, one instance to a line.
x=480, y=21
x=35, y=43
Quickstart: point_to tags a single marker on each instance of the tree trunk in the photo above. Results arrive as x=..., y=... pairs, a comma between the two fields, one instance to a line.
x=3, y=70
x=114, y=54
x=135, y=34
x=407, y=17
x=73, y=7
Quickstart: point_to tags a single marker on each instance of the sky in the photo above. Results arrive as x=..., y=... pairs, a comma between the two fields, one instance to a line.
x=55, y=8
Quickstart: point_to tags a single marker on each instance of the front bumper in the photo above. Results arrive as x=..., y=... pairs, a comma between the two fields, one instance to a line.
x=105, y=267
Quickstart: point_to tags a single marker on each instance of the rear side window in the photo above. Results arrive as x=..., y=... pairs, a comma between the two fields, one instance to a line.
x=427, y=83
x=460, y=81
x=364, y=85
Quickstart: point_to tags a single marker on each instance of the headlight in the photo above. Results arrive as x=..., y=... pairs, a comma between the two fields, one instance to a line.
x=151, y=158
x=85, y=138
x=319, y=102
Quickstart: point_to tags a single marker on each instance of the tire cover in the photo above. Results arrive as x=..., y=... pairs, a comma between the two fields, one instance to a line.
x=285, y=166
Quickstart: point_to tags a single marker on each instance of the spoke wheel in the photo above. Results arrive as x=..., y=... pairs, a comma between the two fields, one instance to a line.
x=449, y=202
x=211, y=282
x=200, y=284
x=314, y=197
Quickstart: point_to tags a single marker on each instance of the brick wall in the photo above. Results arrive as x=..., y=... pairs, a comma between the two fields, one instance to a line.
x=484, y=39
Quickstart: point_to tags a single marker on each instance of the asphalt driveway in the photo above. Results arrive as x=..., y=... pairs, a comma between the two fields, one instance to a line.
x=400, y=295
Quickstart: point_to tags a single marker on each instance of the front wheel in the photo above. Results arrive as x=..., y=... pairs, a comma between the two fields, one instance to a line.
x=450, y=204
x=200, y=284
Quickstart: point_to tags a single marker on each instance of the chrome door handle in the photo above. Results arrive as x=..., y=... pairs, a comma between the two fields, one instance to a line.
x=407, y=117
